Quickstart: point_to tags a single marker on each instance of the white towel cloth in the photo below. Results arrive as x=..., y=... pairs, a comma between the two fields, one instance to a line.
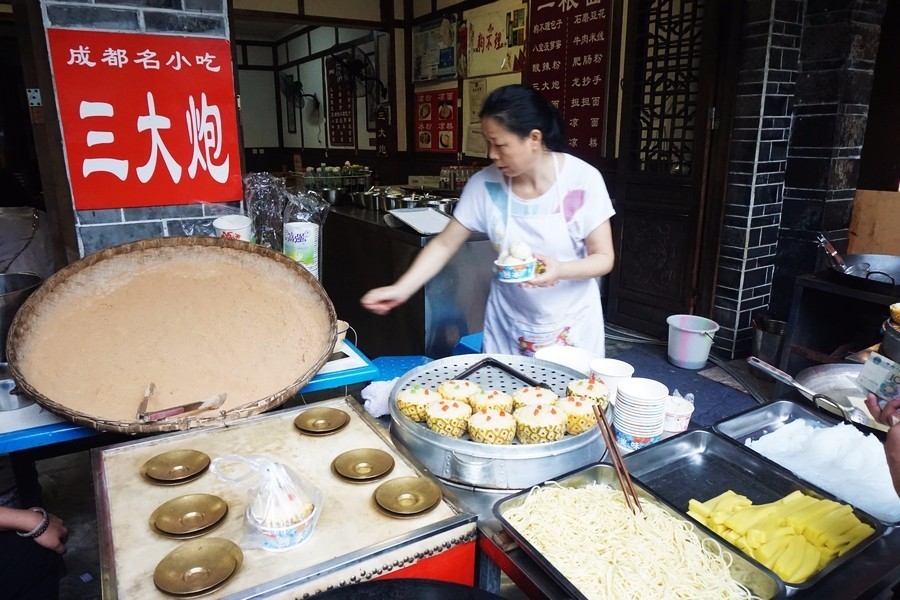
x=377, y=394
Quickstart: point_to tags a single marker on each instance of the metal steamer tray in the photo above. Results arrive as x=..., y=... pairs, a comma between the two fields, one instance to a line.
x=509, y=467
x=700, y=464
x=756, y=422
x=762, y=582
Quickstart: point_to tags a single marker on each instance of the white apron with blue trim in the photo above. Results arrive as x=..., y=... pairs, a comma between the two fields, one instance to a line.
x=521, y=320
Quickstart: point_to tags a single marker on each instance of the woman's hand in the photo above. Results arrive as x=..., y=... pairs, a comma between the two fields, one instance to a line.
x=383, y=300
x=887, y=415
x=55, y=537
x=549, y=272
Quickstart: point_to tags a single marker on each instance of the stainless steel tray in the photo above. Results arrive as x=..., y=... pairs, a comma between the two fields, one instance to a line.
x=699, y=464
x=509, y=467
x=760, y=420
x=757, y=422
x=762, y=582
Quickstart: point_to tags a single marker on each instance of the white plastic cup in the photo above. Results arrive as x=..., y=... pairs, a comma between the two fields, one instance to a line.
x=234, y=227
x=301, y=244
x=678, y=414
x=610, y=372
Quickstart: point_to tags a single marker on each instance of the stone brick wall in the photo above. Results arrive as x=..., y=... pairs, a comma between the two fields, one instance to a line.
x=99, y=229
x=840, y=44
x=802, y=101
x=761, y=131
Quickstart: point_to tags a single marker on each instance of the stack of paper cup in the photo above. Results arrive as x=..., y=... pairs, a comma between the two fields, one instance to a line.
x=640, y=412
x=301, y=244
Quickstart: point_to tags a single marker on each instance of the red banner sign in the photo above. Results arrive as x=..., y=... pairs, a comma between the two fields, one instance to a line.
x=147, y=120
x=341, y=108
x=568, y=54
x=437, y=124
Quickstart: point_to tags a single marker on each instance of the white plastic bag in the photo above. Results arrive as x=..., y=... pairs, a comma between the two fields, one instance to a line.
x=282, y=507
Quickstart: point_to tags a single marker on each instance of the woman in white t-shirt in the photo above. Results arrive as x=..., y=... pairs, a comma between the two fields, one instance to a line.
x=533, y=193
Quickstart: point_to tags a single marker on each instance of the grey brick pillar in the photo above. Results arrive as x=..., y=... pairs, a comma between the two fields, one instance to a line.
x=831, y=105
x=98, y=229
x=759, y=143
x=802, y=101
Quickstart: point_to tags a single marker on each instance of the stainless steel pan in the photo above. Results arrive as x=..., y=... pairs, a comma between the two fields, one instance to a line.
x=831, y=386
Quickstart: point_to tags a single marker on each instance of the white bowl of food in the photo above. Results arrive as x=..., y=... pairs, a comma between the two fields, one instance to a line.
x=516, y=264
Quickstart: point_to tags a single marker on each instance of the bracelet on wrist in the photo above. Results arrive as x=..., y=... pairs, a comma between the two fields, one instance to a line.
x=41, y=527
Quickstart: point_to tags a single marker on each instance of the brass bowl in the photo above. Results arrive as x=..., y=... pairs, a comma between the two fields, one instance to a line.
x=406, y=496
x=189, y=514
x=363, y=464
x=321, y=420
x=175, y=466
x=198, y=566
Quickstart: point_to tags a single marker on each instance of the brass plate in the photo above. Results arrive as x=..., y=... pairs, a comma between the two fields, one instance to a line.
x=189, y=514
x=394, y=515
x=363, y=464
x=198, y=566
x=149, y=479
x=321, y=420
x=407, y=495
x=186, y=536
x=175, y=465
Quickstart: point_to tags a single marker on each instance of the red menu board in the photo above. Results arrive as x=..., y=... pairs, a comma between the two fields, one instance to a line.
x=147, y=120
x=568, y=55
x=341, y=113
x=437, y=122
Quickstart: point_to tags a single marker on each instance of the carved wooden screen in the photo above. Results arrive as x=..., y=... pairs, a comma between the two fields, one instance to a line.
x=665, y=98
x=659, y=186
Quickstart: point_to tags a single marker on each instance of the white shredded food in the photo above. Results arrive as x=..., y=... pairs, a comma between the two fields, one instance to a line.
x=592, y=537
x=840, y=459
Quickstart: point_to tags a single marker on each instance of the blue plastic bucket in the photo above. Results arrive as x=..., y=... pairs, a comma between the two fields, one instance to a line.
x=690, y=339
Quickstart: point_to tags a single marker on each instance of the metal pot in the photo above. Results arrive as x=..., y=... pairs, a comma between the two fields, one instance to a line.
x=874, y=272
x=370, y=199
x=462, y=461
x=444, y=205
x=332, y=196
x=890, y=344
x=389, y=202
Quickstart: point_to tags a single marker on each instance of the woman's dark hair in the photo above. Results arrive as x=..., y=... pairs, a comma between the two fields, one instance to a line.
x=520, y=109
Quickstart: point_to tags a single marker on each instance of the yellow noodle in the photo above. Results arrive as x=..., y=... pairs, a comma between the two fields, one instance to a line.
x=595, y=541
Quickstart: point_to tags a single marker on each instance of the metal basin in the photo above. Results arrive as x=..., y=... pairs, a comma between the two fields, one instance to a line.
x=511, y=467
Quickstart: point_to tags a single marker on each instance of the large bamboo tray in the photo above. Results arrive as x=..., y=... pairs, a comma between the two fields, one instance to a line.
x=188, y=259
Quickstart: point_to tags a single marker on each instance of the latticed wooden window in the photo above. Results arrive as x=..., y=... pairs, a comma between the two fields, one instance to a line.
x=666, y=85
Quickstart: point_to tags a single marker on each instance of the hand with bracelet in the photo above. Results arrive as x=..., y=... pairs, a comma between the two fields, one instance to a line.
x=44, y=528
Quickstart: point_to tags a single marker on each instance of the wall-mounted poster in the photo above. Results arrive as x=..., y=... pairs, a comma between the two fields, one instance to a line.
x=434, y=49
x=341, y=109
x=147, y=120
x=496, y=40
x=568, y=53
x=436, y=121
x=474, y=93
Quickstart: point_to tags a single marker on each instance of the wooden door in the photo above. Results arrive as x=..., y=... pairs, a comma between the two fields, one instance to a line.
x=665, y=220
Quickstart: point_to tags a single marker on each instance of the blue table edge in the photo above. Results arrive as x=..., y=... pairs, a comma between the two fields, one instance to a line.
x=54, y=433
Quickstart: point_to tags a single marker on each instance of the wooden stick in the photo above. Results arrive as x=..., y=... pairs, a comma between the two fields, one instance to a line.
x=631, y=496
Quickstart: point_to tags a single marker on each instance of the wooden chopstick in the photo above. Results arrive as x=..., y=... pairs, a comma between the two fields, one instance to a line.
x=628, y=489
